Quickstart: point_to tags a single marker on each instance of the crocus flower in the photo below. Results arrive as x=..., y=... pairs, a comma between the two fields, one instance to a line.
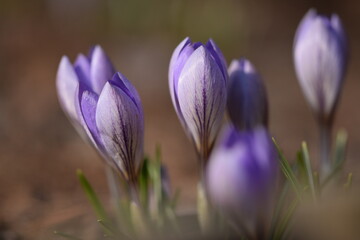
x=320, y=56
x=246, y=101
x=197, y=81
x=241, y=176
x=106, y=107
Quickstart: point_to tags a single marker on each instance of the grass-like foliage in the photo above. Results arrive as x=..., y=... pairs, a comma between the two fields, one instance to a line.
x=149, y=211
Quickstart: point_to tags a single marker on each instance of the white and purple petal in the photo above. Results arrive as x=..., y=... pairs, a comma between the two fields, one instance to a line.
x=202, y=97
x=218, y=56
x=101, y=70
x=122, y=82
x=87, y=110
x=120, y=125
x=66, y=84
x=305, y=22
x=173, y=64
x=179, y=58
x=82, y=69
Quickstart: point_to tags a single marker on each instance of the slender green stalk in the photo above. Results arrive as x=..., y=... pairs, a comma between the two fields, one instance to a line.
x=278, y=209
x=308, y=170
x=325, y=142
x=284, y=223
x=339, y=158
x=92, y=197
x=240, y=230
x=110, y=231
x=113, y=184
x=172, y=217
x=115, y=192
x=348, y=183
x=288, y=172
x=134, y=192
x=65, y=235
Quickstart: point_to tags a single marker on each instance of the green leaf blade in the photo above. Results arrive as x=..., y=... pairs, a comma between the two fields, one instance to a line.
x=288, y=172
x=308, y=168
x=91, y=196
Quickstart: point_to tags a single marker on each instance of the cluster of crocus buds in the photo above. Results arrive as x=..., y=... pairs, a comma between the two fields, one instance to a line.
x=105, y=106
x=242, y=167
x=197, y=81
x=242, y=171
x=239, y=170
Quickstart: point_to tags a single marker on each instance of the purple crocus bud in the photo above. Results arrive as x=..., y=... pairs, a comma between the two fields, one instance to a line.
x=106, y=107
x=197, y=81
x=241, y=176
x=92, y=71
x=246, y=101
x=320, y=56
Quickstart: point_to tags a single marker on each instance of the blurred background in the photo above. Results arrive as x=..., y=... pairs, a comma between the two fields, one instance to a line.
x=39, y=149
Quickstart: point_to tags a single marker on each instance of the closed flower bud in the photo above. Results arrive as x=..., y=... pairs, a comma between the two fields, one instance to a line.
x=320, y=56
x=197, y=81
x=246, y=101
x=241, y=176
x=106, y=107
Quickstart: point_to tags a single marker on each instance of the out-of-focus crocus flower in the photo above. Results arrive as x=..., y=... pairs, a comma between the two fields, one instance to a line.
x=246, y=100
x=106, y=106
x=241, y=176
x=320, y=56
x=197, y=81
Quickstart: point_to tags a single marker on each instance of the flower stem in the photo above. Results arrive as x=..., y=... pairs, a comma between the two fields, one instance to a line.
x=325, y=142
x=115, y=191
x=113, y=183
x=133, y=191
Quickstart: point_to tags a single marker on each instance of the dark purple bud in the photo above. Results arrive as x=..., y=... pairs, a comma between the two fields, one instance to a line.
x=247, y=102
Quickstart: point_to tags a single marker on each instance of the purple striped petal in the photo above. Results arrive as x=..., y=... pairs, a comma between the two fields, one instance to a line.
x=218, y=56
x=120, y=125
x=66, y=84
x=101, y=71
x=124, y=84
x=88, y=101
x=87, y=118
x=185, y=52
x=304, y=24
x=82, y=69
x=180, y=63
x=202, y=97
x=173, y=62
